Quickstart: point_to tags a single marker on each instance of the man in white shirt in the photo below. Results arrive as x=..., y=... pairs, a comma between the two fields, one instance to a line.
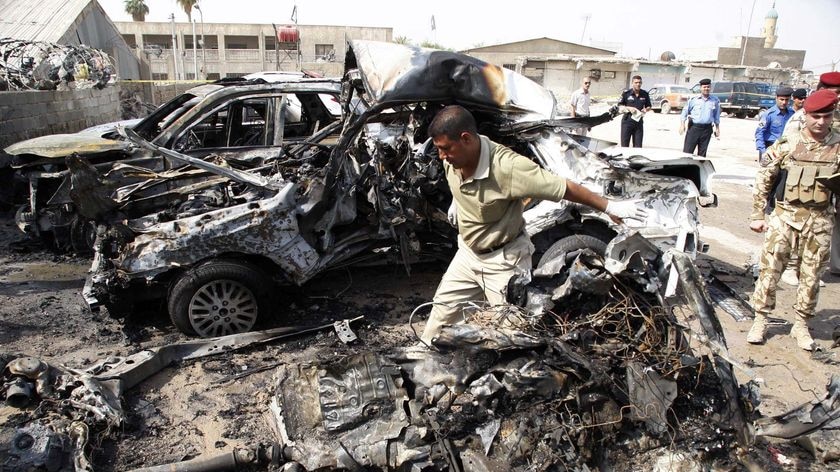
x=580, y=103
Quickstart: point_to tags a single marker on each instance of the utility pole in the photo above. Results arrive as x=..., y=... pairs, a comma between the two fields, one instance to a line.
x=203, y=51
x=585, y=19
x=747, y=36
x=195, y=54
x=174, y=45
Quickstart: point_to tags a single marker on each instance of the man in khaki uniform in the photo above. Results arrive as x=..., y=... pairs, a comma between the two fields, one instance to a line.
x=804, y=212
x=489, y=184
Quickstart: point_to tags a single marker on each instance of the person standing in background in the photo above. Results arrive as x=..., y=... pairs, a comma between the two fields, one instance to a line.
x=772, y=122
x=634, y=97
x=580, y=103
x=703, y=116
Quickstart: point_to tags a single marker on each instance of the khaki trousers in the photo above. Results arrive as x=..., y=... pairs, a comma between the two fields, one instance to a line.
x=813, y=252
x=476, y=277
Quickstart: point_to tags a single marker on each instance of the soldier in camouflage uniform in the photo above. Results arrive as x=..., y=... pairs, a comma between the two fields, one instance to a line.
x=804, y=212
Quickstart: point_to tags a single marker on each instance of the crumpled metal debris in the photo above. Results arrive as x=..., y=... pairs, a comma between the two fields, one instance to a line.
x=38, y=65
x=561, y=390
x=807, y=418
x=79, y=399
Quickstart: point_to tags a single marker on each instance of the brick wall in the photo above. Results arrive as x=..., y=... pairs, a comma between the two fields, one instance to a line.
x=34, y=113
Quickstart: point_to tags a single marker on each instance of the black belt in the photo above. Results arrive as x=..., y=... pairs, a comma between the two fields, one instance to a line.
x=702, y=125
x=490, y=249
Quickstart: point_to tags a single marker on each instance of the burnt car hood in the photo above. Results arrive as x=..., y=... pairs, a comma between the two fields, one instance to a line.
x=393, y=73
x=62, y=145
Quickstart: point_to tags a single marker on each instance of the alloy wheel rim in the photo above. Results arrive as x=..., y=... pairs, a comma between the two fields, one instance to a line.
x=222, y=307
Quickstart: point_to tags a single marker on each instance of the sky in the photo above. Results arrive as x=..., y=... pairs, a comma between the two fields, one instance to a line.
x=645, y=28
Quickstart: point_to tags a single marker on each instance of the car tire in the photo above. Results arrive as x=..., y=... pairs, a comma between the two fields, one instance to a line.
x=572, y=243
x=218, y=298
x=740, y=115
x=82, y=235
x=666, y=108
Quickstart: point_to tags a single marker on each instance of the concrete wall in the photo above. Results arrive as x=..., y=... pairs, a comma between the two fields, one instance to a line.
x=34, y=113
x=503, y=54
x=259, y=57
x=759, y=56
x=563, y=77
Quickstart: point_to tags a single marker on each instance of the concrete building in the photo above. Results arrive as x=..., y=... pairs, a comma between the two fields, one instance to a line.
x=755, y=51
x=233, y=50
x=562, y=74
x=68, y=22
x=507, y=54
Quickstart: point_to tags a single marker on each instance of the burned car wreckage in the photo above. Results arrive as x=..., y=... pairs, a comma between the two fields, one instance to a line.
x=207, y=229
x=593, y=365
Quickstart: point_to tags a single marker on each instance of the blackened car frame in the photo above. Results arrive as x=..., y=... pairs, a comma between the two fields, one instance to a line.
x=213, y=236
x=236, y=118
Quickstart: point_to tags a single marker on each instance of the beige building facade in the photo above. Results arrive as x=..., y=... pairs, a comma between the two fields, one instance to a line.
x=234, y=50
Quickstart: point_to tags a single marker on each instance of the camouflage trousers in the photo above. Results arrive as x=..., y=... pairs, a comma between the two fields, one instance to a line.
x=780, y=240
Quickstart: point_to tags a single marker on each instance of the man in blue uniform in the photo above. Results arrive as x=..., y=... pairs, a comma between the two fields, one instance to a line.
x=637, y=98
x=703, y=116
x=773, y=121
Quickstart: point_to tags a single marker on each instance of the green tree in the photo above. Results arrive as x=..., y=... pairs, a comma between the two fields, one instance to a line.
x=434, y=45
x=187, y=5
x=137, y=9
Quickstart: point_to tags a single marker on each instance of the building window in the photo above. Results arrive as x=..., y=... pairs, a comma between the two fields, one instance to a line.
x=160, y=76
x=213, y=76
x=509, y=66
x=325, y=52
x=235, y=75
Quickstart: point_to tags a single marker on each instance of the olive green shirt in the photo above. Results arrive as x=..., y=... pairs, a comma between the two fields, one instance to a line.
x=491, y=202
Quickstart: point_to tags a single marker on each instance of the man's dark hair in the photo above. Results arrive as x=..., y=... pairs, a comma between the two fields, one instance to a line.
x=636, y=77
x=451, y=122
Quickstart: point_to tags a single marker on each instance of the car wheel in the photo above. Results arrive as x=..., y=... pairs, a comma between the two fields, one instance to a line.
x=666, y=108
x=218, y=298
x=82, y=235
x=572, y=243
x=741, y=115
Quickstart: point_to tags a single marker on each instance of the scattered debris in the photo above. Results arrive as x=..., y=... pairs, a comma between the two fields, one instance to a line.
x=38, y=65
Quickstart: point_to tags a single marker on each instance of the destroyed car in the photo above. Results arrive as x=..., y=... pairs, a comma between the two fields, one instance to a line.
x=212, y=237
x=229, y=116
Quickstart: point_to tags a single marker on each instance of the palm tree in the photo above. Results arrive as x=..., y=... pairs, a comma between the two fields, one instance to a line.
x=137, y=9
x=187, y=5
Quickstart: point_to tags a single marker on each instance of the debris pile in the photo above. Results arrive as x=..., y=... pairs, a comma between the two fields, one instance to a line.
x=132, y=105
x=38, y=65
x=604, y=379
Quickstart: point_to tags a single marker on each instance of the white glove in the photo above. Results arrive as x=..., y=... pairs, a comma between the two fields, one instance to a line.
x=452, y=214
x=626, y=209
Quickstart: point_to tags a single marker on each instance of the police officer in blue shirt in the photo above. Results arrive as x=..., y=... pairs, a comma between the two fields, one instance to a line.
x=703, y=116
x=772, y=123
x=637, y=98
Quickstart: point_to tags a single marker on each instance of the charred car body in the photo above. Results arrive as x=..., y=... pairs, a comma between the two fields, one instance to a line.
x=235, y=116
x=209, y=235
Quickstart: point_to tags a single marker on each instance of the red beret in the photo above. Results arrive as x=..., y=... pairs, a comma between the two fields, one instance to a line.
x=821, y=100
x=830, y=79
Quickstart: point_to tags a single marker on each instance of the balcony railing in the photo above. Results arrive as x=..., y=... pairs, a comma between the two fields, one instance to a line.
x=209, y=54
x=252, y=55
